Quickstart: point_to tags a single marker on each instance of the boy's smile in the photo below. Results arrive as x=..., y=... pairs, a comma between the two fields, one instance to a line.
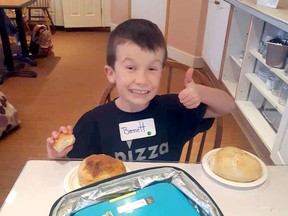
x=137, y=73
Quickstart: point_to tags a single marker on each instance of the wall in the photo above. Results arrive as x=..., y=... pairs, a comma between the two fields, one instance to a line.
x=119, y=11
x=186, y=25
x=185, y=30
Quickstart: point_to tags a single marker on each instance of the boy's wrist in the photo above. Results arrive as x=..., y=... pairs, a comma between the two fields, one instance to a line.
x=203, y=93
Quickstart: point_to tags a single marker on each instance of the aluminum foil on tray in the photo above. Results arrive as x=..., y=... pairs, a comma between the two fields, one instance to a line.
x=133, y=181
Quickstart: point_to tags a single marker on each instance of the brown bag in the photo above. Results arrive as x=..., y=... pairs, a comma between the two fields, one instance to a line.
x=8, y=116
x=41, y=41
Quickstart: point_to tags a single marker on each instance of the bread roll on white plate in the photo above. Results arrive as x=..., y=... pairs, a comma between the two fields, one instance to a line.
x=63, y=142
x=234, y=164
x=98, y=167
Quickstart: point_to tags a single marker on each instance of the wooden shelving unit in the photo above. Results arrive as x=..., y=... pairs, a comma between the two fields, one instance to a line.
x=250, y=25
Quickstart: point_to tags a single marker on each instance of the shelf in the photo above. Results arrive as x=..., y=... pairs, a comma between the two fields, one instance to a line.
x=278, y=72
x=258, y=122
x=259, y=108
x=231, y=86
x=260, y=86
x=237, y=61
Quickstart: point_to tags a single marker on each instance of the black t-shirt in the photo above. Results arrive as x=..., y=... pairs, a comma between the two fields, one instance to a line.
x=98, y=131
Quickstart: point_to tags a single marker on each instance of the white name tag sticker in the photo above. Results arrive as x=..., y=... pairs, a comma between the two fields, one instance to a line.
x=137, y=129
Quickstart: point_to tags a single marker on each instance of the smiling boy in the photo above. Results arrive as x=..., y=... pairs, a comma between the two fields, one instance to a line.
x=141, y=125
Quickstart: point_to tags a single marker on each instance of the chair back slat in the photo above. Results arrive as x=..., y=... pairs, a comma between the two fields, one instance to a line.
x=41, y=4
x=38, y=13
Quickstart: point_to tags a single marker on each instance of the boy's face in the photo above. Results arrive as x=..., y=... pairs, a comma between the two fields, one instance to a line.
x=137, y=75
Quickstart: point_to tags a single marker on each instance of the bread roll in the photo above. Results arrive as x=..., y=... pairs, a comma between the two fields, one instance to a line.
x=236, y=165
x=98, y=167
x=64, y=141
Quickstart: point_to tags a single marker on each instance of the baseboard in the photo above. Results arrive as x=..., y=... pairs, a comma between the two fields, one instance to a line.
x=100, y=29
x=185, y=58
x=112, y=26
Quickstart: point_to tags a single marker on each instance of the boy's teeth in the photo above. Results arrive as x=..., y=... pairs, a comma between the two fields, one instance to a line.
x=139, y=91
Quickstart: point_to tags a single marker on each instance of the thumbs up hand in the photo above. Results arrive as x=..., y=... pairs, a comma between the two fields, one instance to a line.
x=190, y=96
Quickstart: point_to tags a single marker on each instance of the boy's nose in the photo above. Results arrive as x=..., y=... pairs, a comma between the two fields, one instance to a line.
x=141, y=77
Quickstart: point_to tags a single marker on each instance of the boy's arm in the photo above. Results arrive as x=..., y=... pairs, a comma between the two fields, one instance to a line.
x=219, y=102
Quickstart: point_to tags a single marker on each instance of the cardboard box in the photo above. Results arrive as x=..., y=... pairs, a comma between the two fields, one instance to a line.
x=283, y=4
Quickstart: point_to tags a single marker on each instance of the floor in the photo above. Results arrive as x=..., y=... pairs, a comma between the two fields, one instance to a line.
x=69, y=83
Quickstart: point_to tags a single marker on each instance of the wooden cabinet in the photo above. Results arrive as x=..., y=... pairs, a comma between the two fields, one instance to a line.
x=235, y=47
x=242, y=61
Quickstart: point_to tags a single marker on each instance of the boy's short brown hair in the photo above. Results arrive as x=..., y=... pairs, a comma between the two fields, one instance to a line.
x=142, y=32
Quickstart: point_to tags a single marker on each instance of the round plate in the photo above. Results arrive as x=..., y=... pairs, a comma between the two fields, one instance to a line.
x=71, y=179
x=206, y=166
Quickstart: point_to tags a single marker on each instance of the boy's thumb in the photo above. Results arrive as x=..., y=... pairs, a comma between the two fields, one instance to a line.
x=188, y=76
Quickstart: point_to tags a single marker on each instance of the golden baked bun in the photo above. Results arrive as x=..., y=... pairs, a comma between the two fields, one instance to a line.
x=234, y=164
x=64, y=141
x=98, y=167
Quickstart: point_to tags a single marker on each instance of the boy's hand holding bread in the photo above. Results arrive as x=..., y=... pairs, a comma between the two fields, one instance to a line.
x=60, y=143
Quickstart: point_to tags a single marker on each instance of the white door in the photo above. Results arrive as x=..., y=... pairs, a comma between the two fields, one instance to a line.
x=82, y=13
x=215, y=32
x=152, y=10
x=56, y=12
x=106, y=13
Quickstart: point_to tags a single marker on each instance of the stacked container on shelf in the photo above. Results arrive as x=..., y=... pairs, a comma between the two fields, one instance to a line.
x=275, y=51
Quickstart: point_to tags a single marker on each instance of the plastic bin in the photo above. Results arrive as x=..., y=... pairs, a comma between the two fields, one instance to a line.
x=277, y=52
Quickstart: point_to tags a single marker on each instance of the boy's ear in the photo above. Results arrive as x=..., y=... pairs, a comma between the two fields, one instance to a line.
x=110, y=74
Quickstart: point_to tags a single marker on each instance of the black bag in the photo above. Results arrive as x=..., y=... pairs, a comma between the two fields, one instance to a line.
x=111, y=192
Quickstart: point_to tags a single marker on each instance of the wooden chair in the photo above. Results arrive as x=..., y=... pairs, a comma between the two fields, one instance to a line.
x=38, y=13
x=210, y=139
x=195, y=146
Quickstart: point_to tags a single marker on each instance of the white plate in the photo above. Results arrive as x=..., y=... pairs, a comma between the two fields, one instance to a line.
x=71, y=181
x=206, y=166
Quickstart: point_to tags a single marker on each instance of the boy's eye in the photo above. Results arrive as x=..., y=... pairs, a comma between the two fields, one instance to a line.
x=153, y=69
x=130, y=67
